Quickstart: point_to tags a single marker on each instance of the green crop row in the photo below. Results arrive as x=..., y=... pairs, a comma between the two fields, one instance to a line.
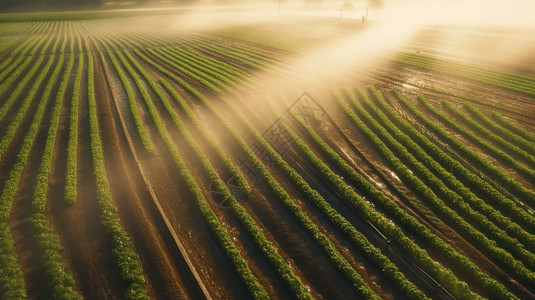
x=235, y=73
x=320, y=238
x=21, y=86
x=217, y=76
x=13, y=62
x=140, y=126
x=12, y=284
x=526, y=134
x=473, y=156
x=237, y=79
x=19, y=116
x=497, y=153
x=187, y=72
x=435, y=169
x=123, y=249
x=443, y=276
x=510, y=81
x=202, y=72
x=470, y=179
x=41, y=186
x=391, y=231
x=11, y=184
x=492, y=136
x=368, y=250
x=502, y=257
x=293, y=282
x=215, y=225
x=242, y=60
x=228, y=164
x=58, y=274
x=71, y=173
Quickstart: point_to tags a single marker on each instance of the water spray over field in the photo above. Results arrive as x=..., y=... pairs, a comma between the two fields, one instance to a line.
x=229, y=151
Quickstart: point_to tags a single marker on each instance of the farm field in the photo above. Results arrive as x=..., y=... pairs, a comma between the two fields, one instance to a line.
x=144, y=159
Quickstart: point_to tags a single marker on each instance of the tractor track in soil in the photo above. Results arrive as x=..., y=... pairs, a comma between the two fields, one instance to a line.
x=170, y=272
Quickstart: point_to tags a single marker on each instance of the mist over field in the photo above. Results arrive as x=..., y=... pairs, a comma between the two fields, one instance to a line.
x=292, y=149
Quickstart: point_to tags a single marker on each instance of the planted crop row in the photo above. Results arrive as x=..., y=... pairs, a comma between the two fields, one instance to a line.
x=526, y=134
x=11, y=184
x=198, y=70
x=123, y=249
x=12, y=284
x=391, y=231
x=443, y=276
x=59, y=277
x=473, y=156
x=19, y=116
x=491, y=135
x=502, y=257
x=21, y=85
x=530, y=173
x=369, y=251
x=266, y=247
x=234, y=72
x=215, y=225
x=510, y=81
x=470, y=179
x=191, y=74
x=451, y=182
x=222, y=78
x=71, y=172
x=245, y=61
x=138, y=121
x=13, y=62
x=228, y=164
x=324, y=243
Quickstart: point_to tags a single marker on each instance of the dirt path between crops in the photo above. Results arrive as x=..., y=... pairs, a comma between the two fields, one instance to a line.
x=88, y=248
x=166, y=271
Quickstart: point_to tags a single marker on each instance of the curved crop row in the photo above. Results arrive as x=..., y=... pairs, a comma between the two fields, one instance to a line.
x=123, y=249
x=11, y=184
x=59, y=277
x=293, y=282
x=497, y=153
x=187, y=72
x=502, y=257
x=510, y=148
x=470, y=179
x=446, y=250
x=71, y=173
x=219, y=77
x=14, y=61
x=21, y=86
x=510, y=81
x=370, y=252
x=451, y=182
x=202, y=72
x=19, y=116
x=241, y=181
x=282, y=195
x=140, y=126
x=216, y=227
x=245, y=61
x=475, y=158
x=526, y=134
